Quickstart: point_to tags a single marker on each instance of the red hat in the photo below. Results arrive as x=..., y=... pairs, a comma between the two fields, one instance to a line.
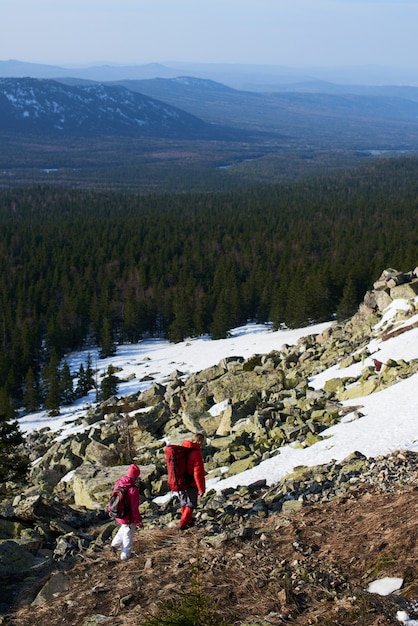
x=133, y=471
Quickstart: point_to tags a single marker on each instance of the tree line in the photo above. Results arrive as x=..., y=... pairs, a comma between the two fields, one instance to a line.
x=82, y=268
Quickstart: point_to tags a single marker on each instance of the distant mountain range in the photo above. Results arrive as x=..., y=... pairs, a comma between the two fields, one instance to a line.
x=196, y=133
x=239, y=76
x=49, y=107
x=184, y=107
x=216, y=102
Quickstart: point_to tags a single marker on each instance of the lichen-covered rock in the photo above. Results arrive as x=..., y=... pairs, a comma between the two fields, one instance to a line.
x=101, y=454
x=332, y=385
x=16, y=562
x=10, y=529
x=154, y=419
x=153, y=395
x=406, y=290
x=92, y=484
x=241, y=465
x=363, y=388
x=291, y=506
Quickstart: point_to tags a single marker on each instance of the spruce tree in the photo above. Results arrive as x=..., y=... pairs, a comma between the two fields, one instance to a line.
x=109, y=385
x=13, y=462
x=90, y=374
x=52, y=385
x=66, y=385
x=31, y=395
x=82, y=387
x=107, y=345
x=348, y=304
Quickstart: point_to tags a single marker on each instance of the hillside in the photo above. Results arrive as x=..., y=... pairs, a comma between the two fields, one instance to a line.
x=47, y=107
x=302, y=548
x=288, y=112
x=311, y=567
x=182, y=133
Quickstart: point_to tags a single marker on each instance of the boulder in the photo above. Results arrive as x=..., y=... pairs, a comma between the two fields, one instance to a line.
x=155, y=418
x=191, y=422
x=364, y=388
x=406, y=290
x=9, y=529
x=241, y=465
x=291, y=506
x=92, y=484
x=153, y=395
x=101, y=454
x=225, y=423
x=57, y=583
x=211, y=373
x=16, y=562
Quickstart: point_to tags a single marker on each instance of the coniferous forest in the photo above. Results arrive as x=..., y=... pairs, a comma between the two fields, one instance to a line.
x=83, y=268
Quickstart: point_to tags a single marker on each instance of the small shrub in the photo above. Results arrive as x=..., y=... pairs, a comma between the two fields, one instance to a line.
x=193, y=608
x=251, y=363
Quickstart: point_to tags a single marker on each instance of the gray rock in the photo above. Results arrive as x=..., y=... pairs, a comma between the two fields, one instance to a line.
x=16, y=562
x=57, y=583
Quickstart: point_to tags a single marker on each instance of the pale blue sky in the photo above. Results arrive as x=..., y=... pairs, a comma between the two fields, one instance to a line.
x=277, y=32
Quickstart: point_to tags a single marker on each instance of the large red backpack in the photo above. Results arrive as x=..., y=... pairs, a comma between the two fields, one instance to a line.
x=176, y=458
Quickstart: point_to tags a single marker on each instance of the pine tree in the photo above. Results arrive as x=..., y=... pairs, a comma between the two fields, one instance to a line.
x=193, y=607
x=53, y=385
x=85, y=378
x=348, y=304
x=82, y=388
x=13, y=462
x=90, y=380
x=109, y=385
x=107, y=345
x=31, y=395
x=66, y=384
x=181, y=326
x=221, y=320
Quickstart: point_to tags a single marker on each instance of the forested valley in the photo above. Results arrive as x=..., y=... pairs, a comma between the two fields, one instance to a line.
x=83, y=268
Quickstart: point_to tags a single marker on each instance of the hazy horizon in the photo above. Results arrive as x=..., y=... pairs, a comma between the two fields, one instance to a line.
x=238, y=75
x=289, y=33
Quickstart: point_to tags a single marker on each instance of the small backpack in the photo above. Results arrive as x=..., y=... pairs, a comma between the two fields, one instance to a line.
x=118, y=506
x=176, y=458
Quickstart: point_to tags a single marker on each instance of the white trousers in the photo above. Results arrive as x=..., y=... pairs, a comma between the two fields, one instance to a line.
x=124, y=538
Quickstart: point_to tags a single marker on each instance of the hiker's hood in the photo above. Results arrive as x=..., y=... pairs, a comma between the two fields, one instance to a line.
x=126, y=481
x=191, y=444
x=134, y=471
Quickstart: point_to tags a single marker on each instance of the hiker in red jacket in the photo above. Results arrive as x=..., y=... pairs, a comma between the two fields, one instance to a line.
x=196, y=470
x=125, y=535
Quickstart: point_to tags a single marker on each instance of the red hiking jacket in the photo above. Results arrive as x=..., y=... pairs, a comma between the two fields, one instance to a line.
x=133, y=497
x=195, y=466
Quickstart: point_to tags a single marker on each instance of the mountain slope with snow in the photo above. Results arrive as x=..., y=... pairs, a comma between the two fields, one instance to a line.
x=388, y=418
x=343, y=552
x=49, y=107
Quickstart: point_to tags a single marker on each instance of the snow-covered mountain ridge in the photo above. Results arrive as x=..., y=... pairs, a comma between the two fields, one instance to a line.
x=304, y=399
x=47, y=106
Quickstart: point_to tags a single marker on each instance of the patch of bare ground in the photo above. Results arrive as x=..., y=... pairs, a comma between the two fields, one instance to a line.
x=312, y=567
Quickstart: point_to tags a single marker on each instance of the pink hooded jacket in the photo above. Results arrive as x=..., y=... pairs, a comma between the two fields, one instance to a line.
x=133, y=496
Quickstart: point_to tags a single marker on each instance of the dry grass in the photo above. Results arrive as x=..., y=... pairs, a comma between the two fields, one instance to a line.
x=310, y=568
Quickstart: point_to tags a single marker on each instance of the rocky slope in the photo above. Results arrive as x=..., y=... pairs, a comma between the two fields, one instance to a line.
x=301, y=551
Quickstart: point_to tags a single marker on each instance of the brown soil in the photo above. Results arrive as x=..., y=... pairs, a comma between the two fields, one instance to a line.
x=312, y=567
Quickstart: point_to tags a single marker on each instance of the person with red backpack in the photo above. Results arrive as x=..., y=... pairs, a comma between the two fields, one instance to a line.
x=196, y=481
x=131, y=517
